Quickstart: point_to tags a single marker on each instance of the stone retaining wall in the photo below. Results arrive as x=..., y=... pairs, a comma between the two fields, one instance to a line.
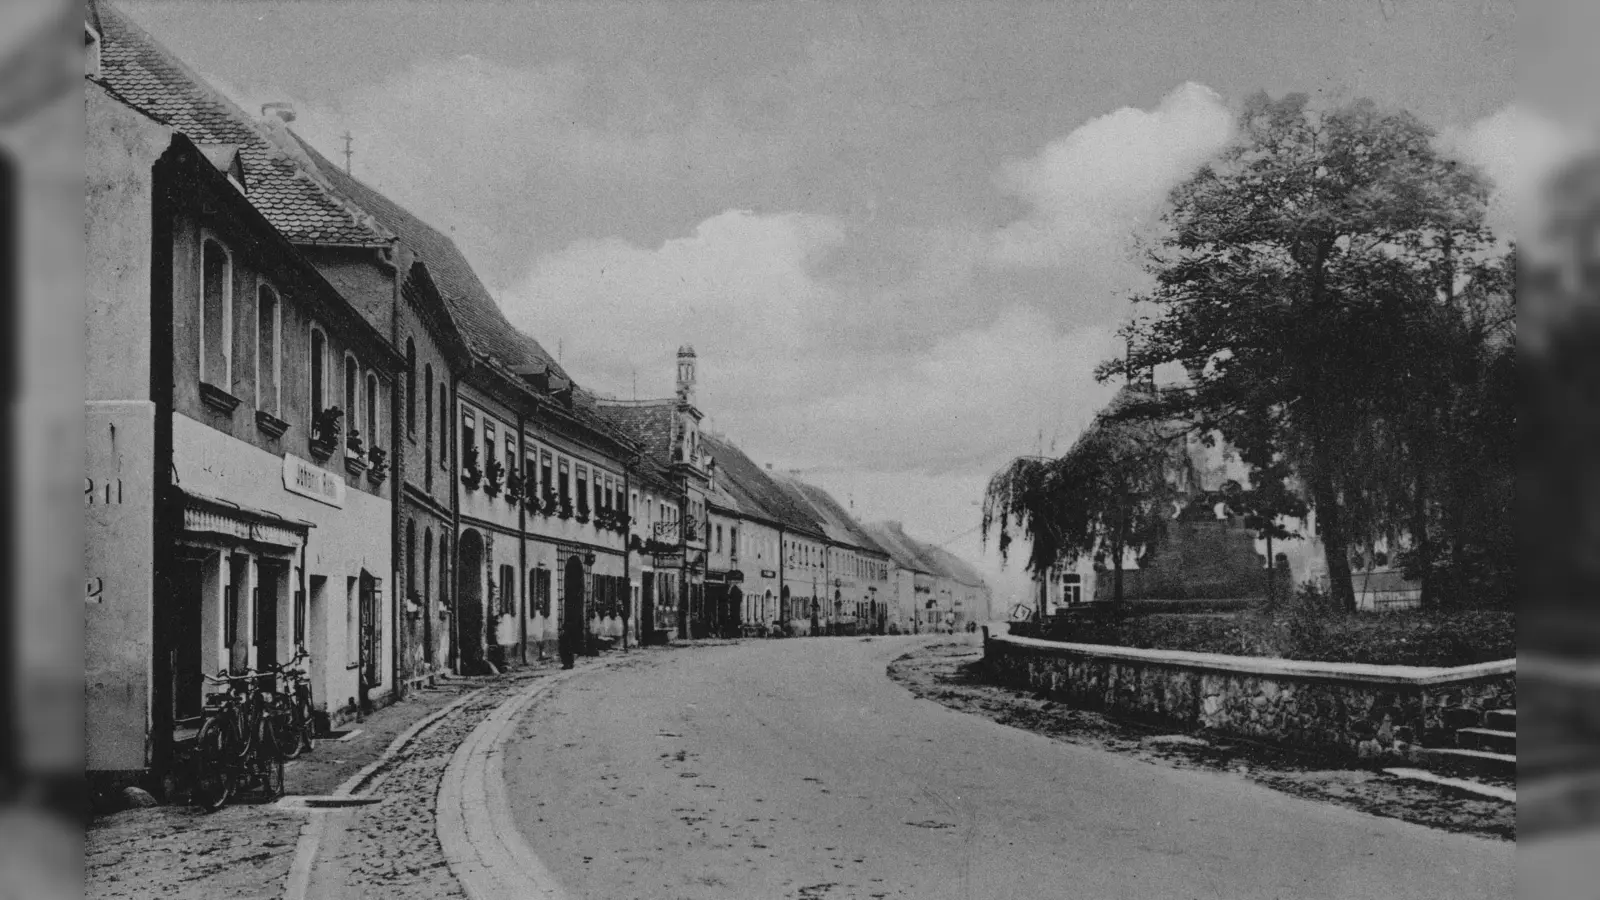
x=1343, y=709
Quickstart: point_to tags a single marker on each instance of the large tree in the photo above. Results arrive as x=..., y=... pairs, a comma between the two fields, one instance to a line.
x=1288, y=262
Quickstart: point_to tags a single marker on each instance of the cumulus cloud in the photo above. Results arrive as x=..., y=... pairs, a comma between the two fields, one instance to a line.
x=744, y=290
x=1089, y=191
x=501, y=155
x=1519, y=149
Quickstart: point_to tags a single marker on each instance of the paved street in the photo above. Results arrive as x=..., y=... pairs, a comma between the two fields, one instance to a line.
x=797, y=769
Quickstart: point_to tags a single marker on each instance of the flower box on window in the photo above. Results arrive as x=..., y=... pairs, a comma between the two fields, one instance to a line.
x=355, y=453
x=378, y=462
x=271, y=424
x=493, y=473
x=325, y=431
x=471, y=476
x=218, y=399
x=513, y=487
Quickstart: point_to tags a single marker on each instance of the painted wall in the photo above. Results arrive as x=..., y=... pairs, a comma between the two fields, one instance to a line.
x=344, y=542
x=119, y=421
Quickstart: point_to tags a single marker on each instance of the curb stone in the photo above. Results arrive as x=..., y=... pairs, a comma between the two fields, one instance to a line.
x=487, y=854
x=305, y=851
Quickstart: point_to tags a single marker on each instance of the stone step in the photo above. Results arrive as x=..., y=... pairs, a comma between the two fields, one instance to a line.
x=1451, y=760
x=1500, y=719
x=1487, y=739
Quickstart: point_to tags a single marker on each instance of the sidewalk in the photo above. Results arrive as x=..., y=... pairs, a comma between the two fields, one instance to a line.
x=244, y=851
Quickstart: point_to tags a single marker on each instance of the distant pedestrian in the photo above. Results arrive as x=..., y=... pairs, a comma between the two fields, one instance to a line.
x=564, y=647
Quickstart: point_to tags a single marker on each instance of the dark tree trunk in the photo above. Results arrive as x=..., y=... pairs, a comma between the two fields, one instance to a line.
x=1335, y=544
x=1421, y=542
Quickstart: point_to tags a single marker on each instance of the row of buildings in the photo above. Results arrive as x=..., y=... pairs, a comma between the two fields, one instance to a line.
x=309, y=426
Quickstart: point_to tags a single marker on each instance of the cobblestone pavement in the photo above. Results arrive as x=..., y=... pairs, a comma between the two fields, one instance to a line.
x=244, y=851
x=391, y=849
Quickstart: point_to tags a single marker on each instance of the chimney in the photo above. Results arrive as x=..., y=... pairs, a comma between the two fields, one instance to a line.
x=283, y=111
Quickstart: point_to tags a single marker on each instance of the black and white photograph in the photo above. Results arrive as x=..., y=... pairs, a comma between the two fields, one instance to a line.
x=832, y=450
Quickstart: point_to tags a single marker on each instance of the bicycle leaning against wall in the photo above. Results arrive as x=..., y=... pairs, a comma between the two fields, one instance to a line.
x=238, y=747
x=290, y=707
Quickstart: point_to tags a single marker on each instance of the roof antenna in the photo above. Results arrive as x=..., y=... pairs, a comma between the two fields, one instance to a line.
x=347, y=140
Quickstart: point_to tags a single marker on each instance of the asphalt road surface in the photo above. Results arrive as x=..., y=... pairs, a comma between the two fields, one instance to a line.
x=797, y=769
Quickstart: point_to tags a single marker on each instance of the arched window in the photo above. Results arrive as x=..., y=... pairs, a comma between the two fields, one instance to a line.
x=444, y=427
x=427, y=423
x=216, y=315
x=269, y=364
x=319, y=371
x=411, y=387
x=372, y=409
x=411, y=557
x=352, y=392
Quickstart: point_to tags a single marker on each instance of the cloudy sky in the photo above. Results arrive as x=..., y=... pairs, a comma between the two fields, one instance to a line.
x=899, y=235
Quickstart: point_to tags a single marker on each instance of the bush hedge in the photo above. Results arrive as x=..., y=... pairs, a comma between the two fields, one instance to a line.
x=1301, y=630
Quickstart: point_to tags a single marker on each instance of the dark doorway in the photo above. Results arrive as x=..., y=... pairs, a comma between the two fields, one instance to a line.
x=734, y=613
x=371, y=639
x=188, y=686
x=573, y=623
x=469, y=602
x=647, y=608
x=268, y=575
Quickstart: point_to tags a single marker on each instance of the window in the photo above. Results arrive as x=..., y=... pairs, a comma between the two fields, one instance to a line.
x=444, y=427
x=427, y=425
x=583, y=491
x=544, y=470
x=530, y=468
x=511, y=454
x=268, y=364
x=411, y=387
x=566, y=495
x=488, y=442
x=719, y=538
x=508, y=591
x=469, y=429
x=372, y=410
x=216, y=315
x=319, y=371
x=352, y=388
x=352, y=621
x=611, y=489
x=633, y=501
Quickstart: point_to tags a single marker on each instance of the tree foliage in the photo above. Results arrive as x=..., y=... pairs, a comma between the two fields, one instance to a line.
x=1329, y=287
x=1109, y=494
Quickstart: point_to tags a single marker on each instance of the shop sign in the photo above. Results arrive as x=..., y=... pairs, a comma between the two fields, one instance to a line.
x=303, y=478
x=768, y=573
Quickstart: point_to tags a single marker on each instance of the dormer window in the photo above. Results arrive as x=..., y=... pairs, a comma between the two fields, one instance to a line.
x=91, y=46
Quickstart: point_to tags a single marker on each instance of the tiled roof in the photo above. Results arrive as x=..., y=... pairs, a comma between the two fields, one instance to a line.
x=755, y=490
x=289, y=194
x=471, y=307
x=902, y=549
x=647, y=423
x=910, y=553
x=954, y=566
x=841, y=527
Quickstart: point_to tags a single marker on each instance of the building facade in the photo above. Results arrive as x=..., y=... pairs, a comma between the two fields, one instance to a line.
x=233, y=499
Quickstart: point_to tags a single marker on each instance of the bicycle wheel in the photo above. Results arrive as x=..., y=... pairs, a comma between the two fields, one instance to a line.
x=269, y=758
x=283, y=722
x=213, y=762
x=304, y=727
